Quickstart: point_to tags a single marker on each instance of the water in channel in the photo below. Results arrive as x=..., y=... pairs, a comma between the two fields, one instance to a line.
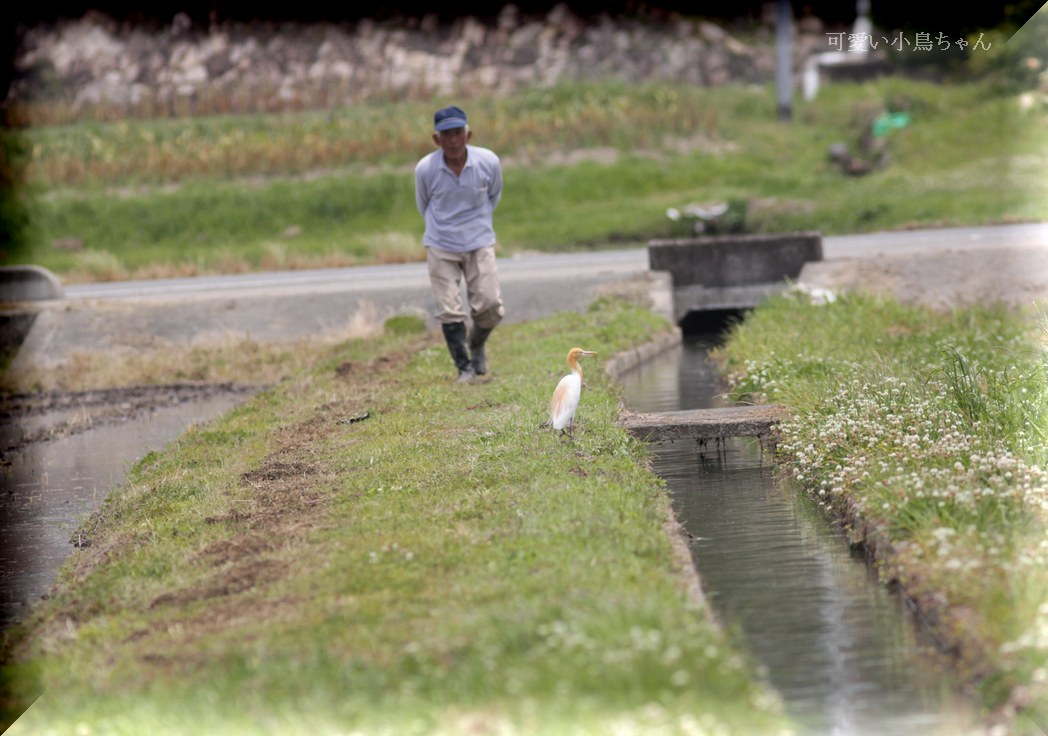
x=841, y=650
x=50, y=486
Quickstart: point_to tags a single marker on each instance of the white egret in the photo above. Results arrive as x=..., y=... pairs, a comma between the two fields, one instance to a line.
x=569, y=390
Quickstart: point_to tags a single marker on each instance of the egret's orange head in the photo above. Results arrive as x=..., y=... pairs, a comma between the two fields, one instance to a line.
x=575, y=353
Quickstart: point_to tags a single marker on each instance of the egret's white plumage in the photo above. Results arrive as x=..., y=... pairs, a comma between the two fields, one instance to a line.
x=569, y=390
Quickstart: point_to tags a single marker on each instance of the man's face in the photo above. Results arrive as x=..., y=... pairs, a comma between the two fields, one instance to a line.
x=453, y=141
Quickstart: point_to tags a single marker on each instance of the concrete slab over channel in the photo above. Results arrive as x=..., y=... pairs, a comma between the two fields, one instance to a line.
x=704, y=424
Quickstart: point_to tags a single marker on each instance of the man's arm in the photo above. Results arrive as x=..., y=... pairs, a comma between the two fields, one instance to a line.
x=495, y=188
x=421, y=191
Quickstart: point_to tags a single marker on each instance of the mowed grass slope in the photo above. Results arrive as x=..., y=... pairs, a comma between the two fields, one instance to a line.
x=440, y=566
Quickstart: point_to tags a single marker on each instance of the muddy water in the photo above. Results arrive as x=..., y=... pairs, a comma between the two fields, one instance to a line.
x=50, y=486
x=843, y=652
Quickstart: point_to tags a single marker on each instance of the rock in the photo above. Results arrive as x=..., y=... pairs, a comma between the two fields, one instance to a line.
x=838, y=153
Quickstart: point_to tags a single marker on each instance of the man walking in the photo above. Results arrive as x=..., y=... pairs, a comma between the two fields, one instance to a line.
x=457, y=188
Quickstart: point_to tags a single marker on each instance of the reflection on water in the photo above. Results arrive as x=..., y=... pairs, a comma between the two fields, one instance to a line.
x=834, y=641
x=837, y=646
x=680, y=378
x=51, y=486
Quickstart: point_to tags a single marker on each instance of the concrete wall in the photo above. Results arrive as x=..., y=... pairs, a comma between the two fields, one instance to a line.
x=28, y=283
x=729, y=273
x=735, y=260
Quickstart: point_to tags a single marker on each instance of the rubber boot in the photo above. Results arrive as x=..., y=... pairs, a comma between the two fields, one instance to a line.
x=455, y=337
x=477, y=337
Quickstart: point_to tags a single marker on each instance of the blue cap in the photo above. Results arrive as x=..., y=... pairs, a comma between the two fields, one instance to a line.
x=448, y=118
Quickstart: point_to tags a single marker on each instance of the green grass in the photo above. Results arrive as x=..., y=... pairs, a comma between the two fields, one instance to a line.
x=229, y=193
x=440, y=567
x=927, y=431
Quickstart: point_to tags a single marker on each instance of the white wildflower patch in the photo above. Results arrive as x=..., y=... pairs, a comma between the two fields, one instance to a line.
x=901, y=450
x=962, y=503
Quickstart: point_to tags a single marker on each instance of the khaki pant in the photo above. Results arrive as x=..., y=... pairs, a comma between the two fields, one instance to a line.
x=446, y=270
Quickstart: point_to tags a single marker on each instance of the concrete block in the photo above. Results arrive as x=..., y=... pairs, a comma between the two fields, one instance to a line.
x=704, y=424
x=735, y=260
x=28, y=283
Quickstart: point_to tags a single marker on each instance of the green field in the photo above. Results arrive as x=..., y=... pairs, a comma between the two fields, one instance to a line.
x=594, y=165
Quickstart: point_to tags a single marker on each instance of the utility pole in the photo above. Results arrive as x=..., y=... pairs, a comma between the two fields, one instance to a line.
x=784, y=59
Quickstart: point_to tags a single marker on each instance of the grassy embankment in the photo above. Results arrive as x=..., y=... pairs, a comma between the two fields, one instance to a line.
x=601, y=162
x=442, y=566
x=927, y=432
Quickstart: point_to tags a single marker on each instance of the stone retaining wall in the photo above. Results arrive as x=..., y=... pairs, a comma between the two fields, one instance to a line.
x=94, y=63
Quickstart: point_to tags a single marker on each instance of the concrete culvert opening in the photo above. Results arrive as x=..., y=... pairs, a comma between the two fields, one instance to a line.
x=711, y=322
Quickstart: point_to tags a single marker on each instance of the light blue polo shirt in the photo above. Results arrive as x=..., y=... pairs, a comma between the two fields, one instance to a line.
x=457, y=209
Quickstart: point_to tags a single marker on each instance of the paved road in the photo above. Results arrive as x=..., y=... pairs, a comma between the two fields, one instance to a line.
x=341, y=302
x=913, y=242
x=292, y=305
x=941, y=268
x=562, y=267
